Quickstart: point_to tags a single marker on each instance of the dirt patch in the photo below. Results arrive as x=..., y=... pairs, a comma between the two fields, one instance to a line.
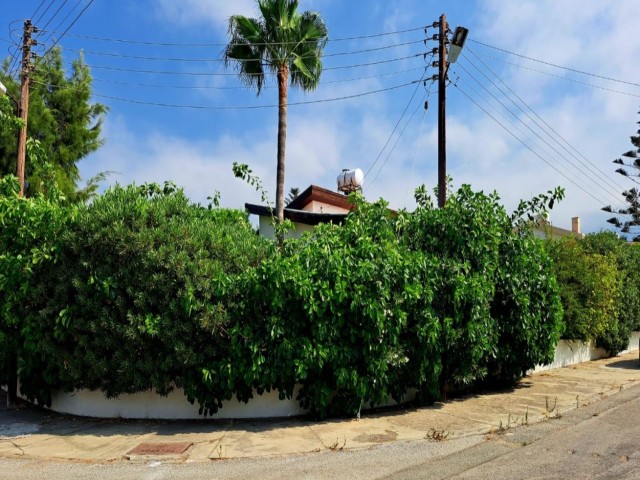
x=387, y=436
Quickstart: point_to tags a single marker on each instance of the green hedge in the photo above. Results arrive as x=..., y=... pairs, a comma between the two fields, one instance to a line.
x=599, y=278
x=143, y=290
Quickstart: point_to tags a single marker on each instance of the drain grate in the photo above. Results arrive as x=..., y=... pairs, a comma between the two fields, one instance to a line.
x=160, y=449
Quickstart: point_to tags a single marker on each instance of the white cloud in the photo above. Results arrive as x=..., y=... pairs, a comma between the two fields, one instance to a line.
x=215, y=12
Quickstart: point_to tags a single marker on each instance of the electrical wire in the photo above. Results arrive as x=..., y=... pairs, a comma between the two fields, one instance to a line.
x=404, y=112
x=245, y=107
x=55, y=14
x=577, y=167
x=43, y=13
x=527, y=146
x=69, y=27
x=395, y=144
x=550, y=130
x=582, y=72
x=226, y=74
x=37, y=9
x=221, y=60
x=73, y=9
x=415, y=155
x=558, y=76
x=168, y=44
x=209, y=87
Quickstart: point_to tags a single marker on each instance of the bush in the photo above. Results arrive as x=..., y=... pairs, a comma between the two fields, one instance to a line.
x=390, y=302
x=136, y=297
x=30, y=238
x=143, y=290
x=590, y=289
x=628, y=302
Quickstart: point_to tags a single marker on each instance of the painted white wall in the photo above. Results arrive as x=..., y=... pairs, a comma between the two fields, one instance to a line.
x=174, y=406
x=570, y=352
x=321, y=207
x=267, y=231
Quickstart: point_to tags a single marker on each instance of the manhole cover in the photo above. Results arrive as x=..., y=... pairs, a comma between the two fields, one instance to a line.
x=160, y=449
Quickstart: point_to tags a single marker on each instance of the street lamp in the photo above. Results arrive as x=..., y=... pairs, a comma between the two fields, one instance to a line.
x=457, y=42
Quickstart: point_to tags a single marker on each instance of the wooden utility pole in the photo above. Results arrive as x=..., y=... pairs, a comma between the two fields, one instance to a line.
x=25, y=72
x=442, y=122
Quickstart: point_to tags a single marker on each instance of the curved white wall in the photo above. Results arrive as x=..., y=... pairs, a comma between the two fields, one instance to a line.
x=175, y=405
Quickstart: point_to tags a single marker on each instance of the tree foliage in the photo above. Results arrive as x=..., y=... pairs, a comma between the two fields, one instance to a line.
x=62, y=119
x=284, y=42
x=590, y=288
x=628, y=220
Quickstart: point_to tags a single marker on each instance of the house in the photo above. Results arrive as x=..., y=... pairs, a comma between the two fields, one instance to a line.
x=313, y=206
x=546, y=230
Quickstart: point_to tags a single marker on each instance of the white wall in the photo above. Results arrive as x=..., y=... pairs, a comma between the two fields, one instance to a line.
x=176, y=406
x=267, y=231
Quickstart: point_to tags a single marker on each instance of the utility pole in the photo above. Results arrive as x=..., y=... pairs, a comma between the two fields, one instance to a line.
x=442, y=119
x=27, y=43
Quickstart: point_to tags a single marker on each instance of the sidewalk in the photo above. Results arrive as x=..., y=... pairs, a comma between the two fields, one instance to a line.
x=33, y=433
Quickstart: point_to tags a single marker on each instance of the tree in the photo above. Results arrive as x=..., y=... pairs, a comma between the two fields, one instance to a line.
x=61, y=118
x=283, y=42
x=631, y=196
x=293, y=194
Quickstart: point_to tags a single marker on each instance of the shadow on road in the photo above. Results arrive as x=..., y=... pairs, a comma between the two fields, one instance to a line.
x=625, y=364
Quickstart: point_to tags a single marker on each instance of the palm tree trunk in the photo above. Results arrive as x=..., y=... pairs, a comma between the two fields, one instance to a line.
x=283, y=76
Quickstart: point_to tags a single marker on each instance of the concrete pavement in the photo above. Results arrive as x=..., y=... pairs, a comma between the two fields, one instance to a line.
x=35, y=434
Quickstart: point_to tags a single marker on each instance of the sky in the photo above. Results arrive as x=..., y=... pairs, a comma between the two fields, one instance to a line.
x=517, y=123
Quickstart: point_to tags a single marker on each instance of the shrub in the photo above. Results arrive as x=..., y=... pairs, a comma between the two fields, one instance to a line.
x=135, y=300
x=30, y=232
x=628, y=302
x=590, y=289
x=143, y=290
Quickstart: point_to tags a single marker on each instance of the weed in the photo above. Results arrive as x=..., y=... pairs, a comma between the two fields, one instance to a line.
x=437, y=435
x=219, y=451
x=549, y=410
x=336, y=445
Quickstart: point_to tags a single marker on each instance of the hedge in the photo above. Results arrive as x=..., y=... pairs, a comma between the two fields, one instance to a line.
x=144, y=290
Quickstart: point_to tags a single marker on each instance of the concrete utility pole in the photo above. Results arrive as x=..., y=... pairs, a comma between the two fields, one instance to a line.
x=442, y=103
x=27, y=43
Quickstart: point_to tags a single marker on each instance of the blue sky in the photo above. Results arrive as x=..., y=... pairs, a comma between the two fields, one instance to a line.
x=567, y=132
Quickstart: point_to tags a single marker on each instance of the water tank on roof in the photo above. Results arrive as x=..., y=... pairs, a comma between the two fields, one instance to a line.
x=350, y=180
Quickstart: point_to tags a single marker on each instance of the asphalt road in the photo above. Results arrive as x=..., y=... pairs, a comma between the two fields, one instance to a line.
x=596, y=441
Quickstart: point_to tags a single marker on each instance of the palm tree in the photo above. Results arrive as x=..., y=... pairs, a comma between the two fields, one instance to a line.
x=283, y=42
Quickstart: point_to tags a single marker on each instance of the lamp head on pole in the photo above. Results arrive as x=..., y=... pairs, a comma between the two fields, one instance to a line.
x=457, y=42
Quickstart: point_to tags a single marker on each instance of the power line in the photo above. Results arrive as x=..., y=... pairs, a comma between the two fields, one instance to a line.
x=582, y=72
x=37, y=9
x=415, y=155
x=43, y=13
x=226, y=74
x=550, y=128
x=220, y=60
x=73, y=9
x=525, y=145
x=245, y=107
x=55, y=14
x=397, y=124
x=209, y=87
x=581, y=171
x=559, y=76
x=169, y=44
x=395, y=144
x=69, y=27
